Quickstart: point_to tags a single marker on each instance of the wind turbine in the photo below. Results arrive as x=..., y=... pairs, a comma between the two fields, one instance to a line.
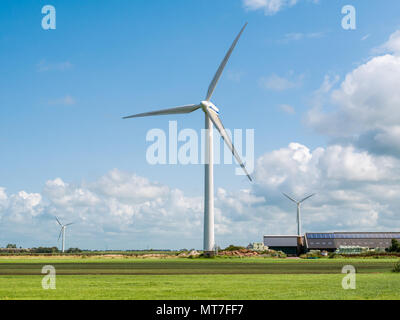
x=211, y=118
x=62, y=232
x=298, y=210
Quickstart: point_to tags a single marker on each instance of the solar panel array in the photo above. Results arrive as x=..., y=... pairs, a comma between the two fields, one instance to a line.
x=383, y=235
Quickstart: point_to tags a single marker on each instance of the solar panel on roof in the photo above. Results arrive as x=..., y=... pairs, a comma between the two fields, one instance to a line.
x=342, y=235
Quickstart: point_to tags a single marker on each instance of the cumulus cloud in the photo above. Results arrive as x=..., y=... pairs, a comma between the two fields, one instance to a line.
x=123, y=210
x=355, y=190
x=126, y=211
x=364, y=109
x=20, y=206
x=120, y=205
x=3, y=200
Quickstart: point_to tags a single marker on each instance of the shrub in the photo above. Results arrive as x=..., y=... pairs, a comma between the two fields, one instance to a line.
x=396, y=267
x=312, y=254
x=233, y=248
x=42, y=250
x=338, y=256
x=281, y=254
x=206, y=256
x=395, y=247
x=73, y=250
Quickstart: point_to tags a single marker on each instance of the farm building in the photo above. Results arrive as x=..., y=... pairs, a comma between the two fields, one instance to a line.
x=330, y=241
x=290, y=244
x=334, y=240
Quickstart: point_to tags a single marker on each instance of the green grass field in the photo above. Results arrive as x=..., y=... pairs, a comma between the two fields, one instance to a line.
x=246, y=278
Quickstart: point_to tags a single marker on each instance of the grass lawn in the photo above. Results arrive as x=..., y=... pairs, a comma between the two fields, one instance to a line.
x=266, y=286
x=249, y=278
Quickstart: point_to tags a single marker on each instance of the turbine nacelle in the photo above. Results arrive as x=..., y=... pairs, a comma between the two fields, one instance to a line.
x=209, y=105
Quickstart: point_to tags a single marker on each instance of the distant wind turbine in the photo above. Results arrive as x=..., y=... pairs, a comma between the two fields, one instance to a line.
x=298, y=210
x=62, y=232
x=211, y=118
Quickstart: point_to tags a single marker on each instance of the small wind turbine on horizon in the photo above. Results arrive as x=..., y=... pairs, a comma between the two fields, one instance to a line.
x=62, y=232
x=211, y=118
x=298, y=203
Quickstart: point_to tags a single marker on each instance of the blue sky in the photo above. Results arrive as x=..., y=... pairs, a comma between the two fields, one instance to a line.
x=63, y=93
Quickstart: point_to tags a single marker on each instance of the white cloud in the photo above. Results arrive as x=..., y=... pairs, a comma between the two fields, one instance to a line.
x=355, y=191
x=365, y=37
x=369, y=95
x=348, y=165
x=120, y=207
x=64, y=101
x=234, y=76
x=3, y=196
x=367, y=99
x=278, y=83
x=392, y=45
x=297, y=36
x=364, y=109
x=389, y=138
x=22, y=207
x=3, y=200
x=328, y=83
x=271, y=7
x=287, y=109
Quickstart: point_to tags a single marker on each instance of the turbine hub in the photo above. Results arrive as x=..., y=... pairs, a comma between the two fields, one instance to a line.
x=209, y=105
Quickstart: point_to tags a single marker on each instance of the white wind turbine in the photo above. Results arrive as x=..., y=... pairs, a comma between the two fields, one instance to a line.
x=62, y=232
x=211, y=118
x=298, y=203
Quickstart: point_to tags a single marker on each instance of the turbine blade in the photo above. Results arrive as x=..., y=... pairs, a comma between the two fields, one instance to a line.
x=69, y=224
x=290, y=198
x=214, y=82
x=59, y=236
x=307, y=197
x=220, y=127
x=177, y=110
x=58, y=221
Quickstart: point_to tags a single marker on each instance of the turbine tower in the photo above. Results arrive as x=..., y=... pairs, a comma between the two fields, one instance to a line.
x=62, y=232
x=211, y=119
x=298, y=203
